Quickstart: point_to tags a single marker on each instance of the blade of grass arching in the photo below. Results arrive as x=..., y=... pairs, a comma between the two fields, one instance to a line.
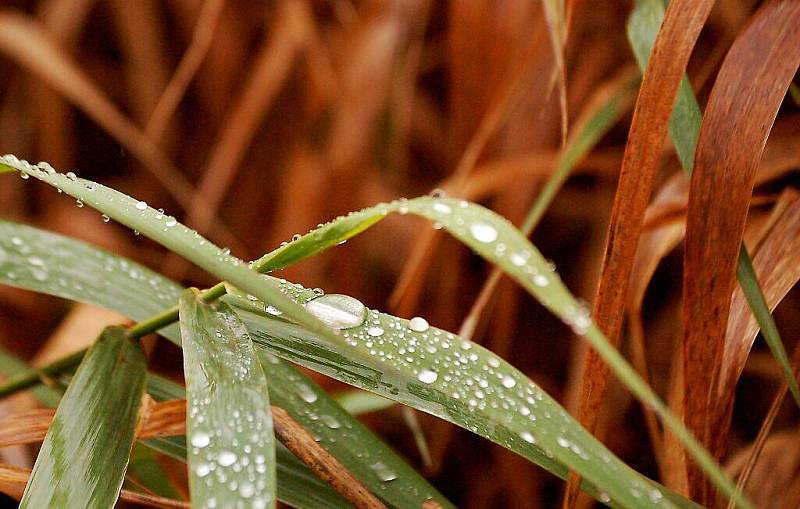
x=83, y=459
x=604, y=110
x=228, y=422
x=165, y=230
x=742, y=107
x=50, y=263
x=479, y=228
x=474, y=225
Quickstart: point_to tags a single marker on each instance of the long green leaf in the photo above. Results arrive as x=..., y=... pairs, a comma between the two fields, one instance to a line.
x=228, y=422
x=11, y=366
x=74, y=270
x=684, y=129
x=83, y=458
x=490, y=236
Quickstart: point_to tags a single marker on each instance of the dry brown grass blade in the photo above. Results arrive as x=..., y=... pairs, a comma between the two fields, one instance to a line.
x=682, y=24
x=777, y=263
x=169, y=419
x=766, y=427
x=328, y=468
x=207, y=22
x=13, y=481
x=774, y=480
x=162, y=420
x=741, y=110
x=24, y=40
x=270, y=71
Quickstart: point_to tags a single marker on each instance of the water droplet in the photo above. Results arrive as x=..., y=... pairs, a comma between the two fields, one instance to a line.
x=272, y=310
x=338, y=311
x=540, y=280
x=306, y=393
x=106, y=218
x=79, y=203
x=518, y=259
x=427, y=376
x=483, y=232
x=331, y=422
x=508, y=382
x=247, y=489
x=141, y=205
x=36, y=261
x=24, y=176
x=200, y=439
x=226, y=458
x=418, y=324
x=71, y=175
x=442, y=208
x=202, y=470
x=563, y=442
x=170, y=222
x=528, y=437
x=383, y=472
x=438, y=193
x=375, y=331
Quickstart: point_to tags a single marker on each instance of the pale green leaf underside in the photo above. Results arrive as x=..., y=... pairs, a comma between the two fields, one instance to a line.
x=83, y=458
x=490, y=236
x=228, y=417
x=74, y=270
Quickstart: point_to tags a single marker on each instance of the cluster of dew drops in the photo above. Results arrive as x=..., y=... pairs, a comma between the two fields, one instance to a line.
x=408, y=341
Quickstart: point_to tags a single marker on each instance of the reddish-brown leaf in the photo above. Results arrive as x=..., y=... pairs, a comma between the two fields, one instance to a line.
x=741, y=110
x=682, y=24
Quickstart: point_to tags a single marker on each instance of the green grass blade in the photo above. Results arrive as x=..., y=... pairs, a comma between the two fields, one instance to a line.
x=490, y=236
x=146, y=469
x=81, y=272
x=439, y=373
x=83, y=458
x=228, y=421
x=684, y=129
x=165, y=230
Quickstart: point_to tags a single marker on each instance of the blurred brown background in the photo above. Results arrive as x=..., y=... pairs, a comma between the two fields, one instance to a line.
x=273, y=116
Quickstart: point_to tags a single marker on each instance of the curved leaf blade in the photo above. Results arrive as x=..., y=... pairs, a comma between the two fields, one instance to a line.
x=83, y=458
x=81, y=272
x=229, y=423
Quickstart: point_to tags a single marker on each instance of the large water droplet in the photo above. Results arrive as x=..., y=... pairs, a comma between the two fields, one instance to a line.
x=442, y=208
x=338, y=311
x=418, y=324
x=427, y=376
x=375, y=331
x=383, y=472
x=483, y=232
x=141, y=205
x=528, y=437
x=200, y=439
x=226, y=458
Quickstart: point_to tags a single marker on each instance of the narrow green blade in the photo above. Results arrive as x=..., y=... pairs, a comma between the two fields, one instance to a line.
x=228, y=418
x=11, y=366
x=83, y=458
x=77, y=271
x=490, y=236
x=684, y=129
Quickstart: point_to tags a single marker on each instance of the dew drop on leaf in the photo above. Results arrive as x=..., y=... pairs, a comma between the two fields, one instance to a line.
x=337, y=311
x=483, y=232
x=427, y=376
x=418, y=324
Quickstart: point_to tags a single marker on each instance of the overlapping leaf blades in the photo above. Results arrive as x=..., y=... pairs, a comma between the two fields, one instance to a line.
x=74, y=270
x=489, y=236
x=83, y=459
